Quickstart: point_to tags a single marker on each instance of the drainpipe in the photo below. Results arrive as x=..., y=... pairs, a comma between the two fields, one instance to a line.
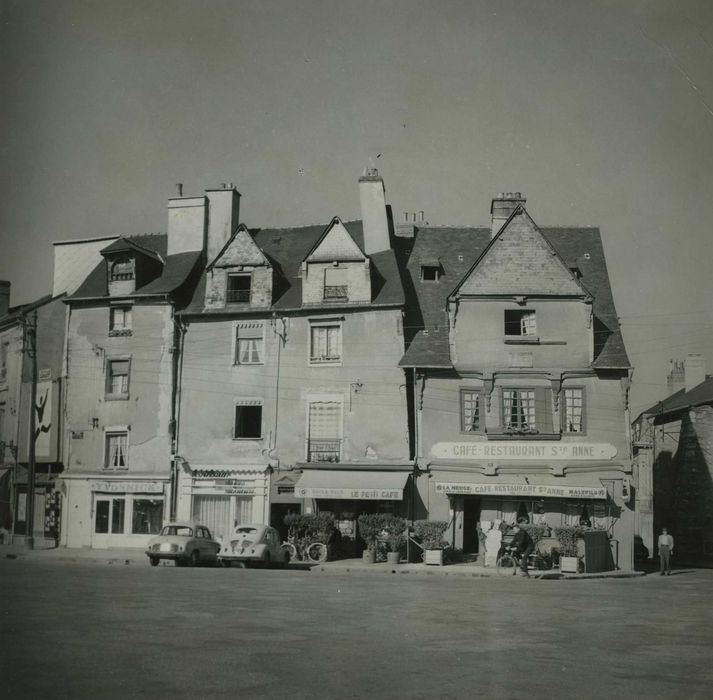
x=180, y=331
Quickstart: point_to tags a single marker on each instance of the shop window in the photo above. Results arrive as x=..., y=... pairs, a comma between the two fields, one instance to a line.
x=471, y=421
x=147, y=516
x=325, y=343
x=109, y=516
x=249, y=343
x=117, y=379
x=324, y=443
x=573, y=414
x=122, y=269
x=336, y=287
x=238, y=288
x=120, y=320
x=520, y=323
x=248, y=420
x=116, y=453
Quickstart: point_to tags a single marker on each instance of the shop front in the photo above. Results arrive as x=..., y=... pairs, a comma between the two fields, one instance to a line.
x=112, y=511
x=221, y=498
x=348, y=493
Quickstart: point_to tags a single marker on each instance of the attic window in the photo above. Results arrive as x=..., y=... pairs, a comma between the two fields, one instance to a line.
x=520, y=323
x=430, y=273
x=122, y=269
x=238, y=288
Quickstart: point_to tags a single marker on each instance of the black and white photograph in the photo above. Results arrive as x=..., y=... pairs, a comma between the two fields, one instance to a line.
x=388, y=322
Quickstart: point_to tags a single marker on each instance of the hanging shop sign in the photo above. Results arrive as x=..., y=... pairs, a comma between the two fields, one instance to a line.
x=524, y=450
x=350, y=494
x=232, y=487
x=128, y=486
x=538, y=490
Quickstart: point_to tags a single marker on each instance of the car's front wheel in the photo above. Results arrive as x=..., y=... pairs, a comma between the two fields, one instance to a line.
x=195, y=557
x=153, y=561
x=266, y=560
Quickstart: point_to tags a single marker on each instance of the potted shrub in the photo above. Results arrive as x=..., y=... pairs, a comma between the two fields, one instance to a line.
x=370, y=527
x=393, y=533
x=567, y=536
x=430, y=534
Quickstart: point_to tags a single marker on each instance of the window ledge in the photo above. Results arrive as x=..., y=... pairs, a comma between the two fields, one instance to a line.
x=521, y=340
x=116, y=397
x=120, y=332
x=116, y=469
x=246, y=439
x=523, y=436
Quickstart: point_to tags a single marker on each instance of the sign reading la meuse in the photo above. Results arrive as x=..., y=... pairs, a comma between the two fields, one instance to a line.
x=351, y=494
x=538, y=490
x=524, y=450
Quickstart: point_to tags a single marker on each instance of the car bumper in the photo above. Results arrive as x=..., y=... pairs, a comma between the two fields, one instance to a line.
x=237, y=556
x=167, y=555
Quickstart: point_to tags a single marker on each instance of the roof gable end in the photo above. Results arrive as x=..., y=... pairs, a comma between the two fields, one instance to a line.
x=240, y=249
x=335, y=243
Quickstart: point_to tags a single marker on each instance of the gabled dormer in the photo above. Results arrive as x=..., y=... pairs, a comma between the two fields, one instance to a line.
x=241, y=275
x=521, y=304
x=336, y=270
x=130, y=266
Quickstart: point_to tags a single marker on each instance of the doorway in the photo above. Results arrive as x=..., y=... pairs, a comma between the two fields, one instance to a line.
x=471, y=518
x=109, y=519
x=278, y=511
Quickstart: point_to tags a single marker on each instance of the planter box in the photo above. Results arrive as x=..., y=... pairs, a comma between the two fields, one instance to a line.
x=368, y=556
x=569, y=565
x=433, y=557
x=393, y=558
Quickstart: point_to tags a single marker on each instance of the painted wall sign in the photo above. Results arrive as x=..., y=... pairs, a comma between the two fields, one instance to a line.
x=351, y=494
x=44, y=375
x=523, y=450
x=43, y=418
x=128, y=486
x=538, y=490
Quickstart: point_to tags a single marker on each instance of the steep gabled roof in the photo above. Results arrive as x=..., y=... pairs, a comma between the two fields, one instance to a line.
x=458, y=248
x=336, y=243
x=121, y=245
x=240, y=249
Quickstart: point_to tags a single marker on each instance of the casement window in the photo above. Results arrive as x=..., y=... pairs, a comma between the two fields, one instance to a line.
x=336, y=287
x=430, y=273
x=520, y=323
x=324, y=441
x=527, y=410
x=470, y=411
x=249, y=343
x=117, y=379
x=122, y=269
x=116, y=450
x=119, y=319
x=573, y=414
x=325, y=343
x=248, y=419
x=238, y=288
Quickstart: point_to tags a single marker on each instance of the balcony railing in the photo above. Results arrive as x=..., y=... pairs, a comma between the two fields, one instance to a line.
x=336, y=292
x=324, y=450
x=235, y=296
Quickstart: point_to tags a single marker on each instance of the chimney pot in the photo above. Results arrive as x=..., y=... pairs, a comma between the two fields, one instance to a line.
x=179, y=189
x=501, y=208
x=421, y=215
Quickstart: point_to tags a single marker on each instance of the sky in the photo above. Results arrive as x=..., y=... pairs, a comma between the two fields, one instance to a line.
x=600, y=113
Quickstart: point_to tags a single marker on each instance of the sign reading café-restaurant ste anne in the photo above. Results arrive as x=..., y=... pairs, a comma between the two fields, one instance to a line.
x=523, y=450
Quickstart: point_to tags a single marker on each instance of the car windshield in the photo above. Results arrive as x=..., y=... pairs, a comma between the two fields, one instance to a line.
x=245, y=531
x=181, y=530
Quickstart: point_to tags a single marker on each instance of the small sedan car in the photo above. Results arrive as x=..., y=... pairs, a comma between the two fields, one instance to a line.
x=254, y=543
x=184, y=543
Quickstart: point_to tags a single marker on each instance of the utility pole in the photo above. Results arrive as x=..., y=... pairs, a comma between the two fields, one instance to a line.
x=31, y=347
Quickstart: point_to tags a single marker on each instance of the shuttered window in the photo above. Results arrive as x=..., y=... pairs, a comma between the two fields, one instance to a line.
x=325, y=343
x=117, y=379
x=325, y=431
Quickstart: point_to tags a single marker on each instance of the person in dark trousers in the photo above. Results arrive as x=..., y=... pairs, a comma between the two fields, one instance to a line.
x=665, y=551
x=522, y=545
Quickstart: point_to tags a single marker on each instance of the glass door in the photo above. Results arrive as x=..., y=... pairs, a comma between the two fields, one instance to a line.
x=109, y=517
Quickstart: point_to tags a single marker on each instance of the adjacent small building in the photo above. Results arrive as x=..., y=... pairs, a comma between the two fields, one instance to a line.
x=520, y=378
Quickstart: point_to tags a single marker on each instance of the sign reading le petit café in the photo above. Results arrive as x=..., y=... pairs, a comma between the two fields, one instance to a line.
x=523, y=450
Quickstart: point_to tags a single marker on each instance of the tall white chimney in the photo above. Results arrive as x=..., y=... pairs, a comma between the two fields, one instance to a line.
x=695, y=370
x=372, y=196
x=502, y=206
x=223, y=217
x=187, y=219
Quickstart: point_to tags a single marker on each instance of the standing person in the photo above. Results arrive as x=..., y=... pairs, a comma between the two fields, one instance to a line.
x=665, y=551
x=522, y=545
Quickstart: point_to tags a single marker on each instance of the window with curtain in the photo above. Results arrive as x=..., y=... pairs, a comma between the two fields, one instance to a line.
x=120, y=318
x=117, y=450
x=573, y=411
x=325, y=431
x=249, y=343
x=117, y=378
x=519, y=409
x=325, y=343
x=214, y=513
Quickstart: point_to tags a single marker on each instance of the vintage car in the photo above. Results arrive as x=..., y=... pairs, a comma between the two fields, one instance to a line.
x=185, y=543
x=254, y=543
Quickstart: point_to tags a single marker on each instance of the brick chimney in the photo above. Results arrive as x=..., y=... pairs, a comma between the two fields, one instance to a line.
x=223, y=217
x=695, y=370
x=502, y=206
x=372, y=196
x=4, y=297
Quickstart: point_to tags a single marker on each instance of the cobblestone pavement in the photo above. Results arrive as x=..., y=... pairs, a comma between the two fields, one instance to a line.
x=77, y=630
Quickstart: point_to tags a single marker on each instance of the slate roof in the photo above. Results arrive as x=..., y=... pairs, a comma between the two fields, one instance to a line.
x=14, y=313
x=176, y=269
x=457, y=248
x=700, y=394
x=286, y=248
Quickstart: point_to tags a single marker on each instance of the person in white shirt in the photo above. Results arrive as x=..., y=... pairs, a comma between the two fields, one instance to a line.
x=665, y=551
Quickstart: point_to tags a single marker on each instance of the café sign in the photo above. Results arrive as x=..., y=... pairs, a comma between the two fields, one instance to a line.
x=350, y=494
x=535, y=490
x=523, y=450
x=128, y=486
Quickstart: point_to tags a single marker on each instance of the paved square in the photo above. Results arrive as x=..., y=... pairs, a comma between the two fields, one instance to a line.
x=93, y=630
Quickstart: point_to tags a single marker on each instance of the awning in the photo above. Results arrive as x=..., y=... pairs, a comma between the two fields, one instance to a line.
x=356, y=485
x=585, y=486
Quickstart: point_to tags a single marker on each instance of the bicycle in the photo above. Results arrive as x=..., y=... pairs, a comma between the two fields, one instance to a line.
x=509, y=562
x=301, y=549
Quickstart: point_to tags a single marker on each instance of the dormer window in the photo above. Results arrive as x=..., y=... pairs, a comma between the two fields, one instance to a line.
x=521, y=323
x=239, y=286
x=122, y=269
x=430, y=273
x=336, y=287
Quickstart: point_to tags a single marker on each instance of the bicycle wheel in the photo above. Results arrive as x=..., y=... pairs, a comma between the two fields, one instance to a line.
x=538, y=567
x=507, y=565
x=317, y=552
x=291, y=551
